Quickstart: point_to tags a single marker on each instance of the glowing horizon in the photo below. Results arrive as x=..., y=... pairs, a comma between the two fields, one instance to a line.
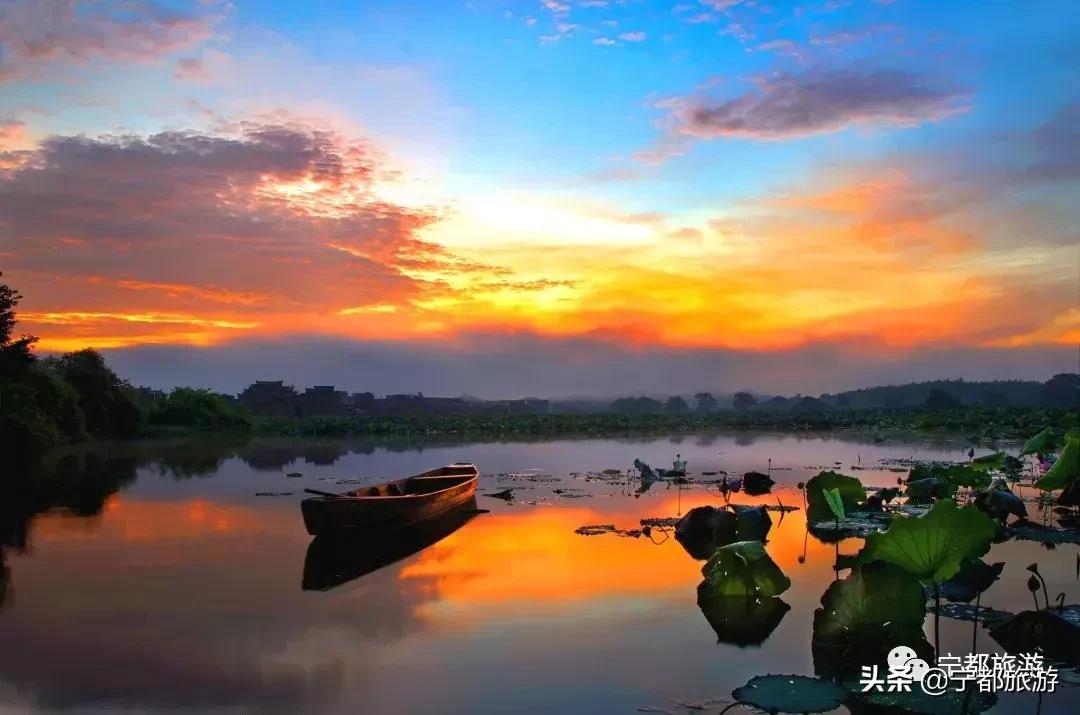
x=703, y=177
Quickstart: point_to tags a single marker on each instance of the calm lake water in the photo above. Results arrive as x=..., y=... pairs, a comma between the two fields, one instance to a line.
x=164, y=584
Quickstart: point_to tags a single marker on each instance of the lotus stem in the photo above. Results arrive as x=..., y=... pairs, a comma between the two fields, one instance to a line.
x=937, y=621
x=975, y=623
x=1046, y=594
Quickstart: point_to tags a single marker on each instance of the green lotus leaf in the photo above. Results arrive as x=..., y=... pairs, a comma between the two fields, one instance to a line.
x=929, y=489
x=1065, y=470
x=850, y=489
x=875, y=597
x=974, y=577
x=989, y=461
x=790, y=694
x=917, y=701
x=835, y=502
x=931, y=547
x=1042, y=443
x=742, y=569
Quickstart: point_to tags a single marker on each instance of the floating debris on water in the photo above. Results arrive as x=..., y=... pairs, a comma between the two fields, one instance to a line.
x=274, y=494
x=505, y=494
x=294, y=475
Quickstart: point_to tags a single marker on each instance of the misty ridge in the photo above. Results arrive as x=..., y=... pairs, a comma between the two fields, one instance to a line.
x=274, y=398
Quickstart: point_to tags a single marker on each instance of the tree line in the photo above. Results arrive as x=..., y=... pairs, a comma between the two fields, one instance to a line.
x=68, y=398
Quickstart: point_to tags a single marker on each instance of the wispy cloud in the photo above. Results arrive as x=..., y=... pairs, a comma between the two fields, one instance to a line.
x=788, y=106
x=36, y=34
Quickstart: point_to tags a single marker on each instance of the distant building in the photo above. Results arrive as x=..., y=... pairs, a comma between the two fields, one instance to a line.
x=270, y=397
x=321, y=400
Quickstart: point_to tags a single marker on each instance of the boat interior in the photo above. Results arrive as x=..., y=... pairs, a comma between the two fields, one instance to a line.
x=426, y=483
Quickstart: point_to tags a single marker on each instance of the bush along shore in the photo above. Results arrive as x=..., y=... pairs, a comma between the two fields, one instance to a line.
x=978, y=423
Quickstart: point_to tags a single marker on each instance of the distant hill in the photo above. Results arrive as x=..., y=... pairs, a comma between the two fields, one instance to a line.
x=1060, y=391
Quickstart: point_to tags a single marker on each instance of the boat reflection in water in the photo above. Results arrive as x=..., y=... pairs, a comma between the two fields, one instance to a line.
x=335, y=559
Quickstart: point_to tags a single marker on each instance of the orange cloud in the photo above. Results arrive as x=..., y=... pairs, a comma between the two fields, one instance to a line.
x=274, y=229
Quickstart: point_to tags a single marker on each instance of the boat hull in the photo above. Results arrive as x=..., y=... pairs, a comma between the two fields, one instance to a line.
x=356, y=512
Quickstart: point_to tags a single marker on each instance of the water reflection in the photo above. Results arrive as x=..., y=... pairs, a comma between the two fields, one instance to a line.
x=176, y=594
x=743, y=621
x=333, y=560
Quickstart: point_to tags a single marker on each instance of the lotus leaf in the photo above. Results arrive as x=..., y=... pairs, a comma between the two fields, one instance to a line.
x=1041, y=443
x=850, y=489
x=790, y=694
x=931, y=547
x=742, y=569
x=974, y=577
x=836, y=504
x=1066, y=469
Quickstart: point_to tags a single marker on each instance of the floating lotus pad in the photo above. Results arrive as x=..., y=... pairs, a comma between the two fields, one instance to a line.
x=917, y=701
x=931, y=547
x=790, y=694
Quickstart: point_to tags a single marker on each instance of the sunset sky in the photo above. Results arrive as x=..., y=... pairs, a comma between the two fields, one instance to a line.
x=555, y=197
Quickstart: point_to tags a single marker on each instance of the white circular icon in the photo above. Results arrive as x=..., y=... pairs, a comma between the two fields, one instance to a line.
x=917, y=669
x=900, y=657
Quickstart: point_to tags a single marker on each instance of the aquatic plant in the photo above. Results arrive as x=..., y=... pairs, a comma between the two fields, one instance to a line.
x=742, y=569
x=1042, y=443
x=849, y=489
x=932, y=547
x=790, y=694
x=835, y=502
x=876, y=602
x=1066, y=469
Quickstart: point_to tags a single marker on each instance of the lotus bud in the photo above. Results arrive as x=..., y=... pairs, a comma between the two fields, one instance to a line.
x=1033, y=584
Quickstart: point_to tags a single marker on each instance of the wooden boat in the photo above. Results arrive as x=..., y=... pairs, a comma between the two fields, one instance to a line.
x=391, y=504
x=335, y=559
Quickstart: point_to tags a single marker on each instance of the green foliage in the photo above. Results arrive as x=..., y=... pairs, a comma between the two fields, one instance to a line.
x=1066, y=469
x=637, y=406
x=926, y=490
x=107, y=403
x=849, y=489
x=955, y=475
x=742, y=569
x=1042, y=443
x=676, y=405
x=932, y=547
x=790, y=694
x=875, y=599
x=836, y=504
x=974, y=577
x=989, y=461
x=743, y=401
x=706, y=403
x=940, y=400
x=200, y=409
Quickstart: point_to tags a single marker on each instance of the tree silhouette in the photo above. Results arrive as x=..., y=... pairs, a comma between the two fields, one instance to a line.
x=15, y=355
x=706, y=402
x=743, y=401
